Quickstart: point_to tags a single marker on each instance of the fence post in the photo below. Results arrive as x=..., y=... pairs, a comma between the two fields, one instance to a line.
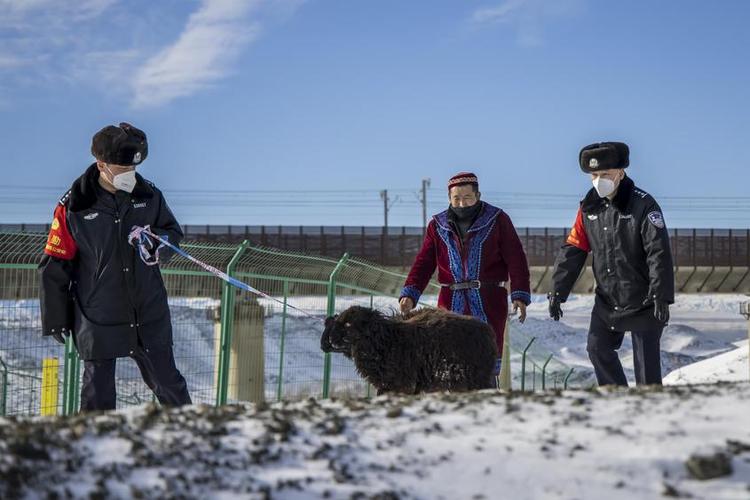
x=567, y=377
x=368, y=392
x=227, y=320
x=330, y=310
x=4, y=400
x=70, y=378
x=504, y=377
x=523, y=364
x=76, y=381
x=544, y=372
x=281, y=343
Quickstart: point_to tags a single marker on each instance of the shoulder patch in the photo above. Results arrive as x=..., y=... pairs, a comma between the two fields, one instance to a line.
x=65, y=198
x=657, y=219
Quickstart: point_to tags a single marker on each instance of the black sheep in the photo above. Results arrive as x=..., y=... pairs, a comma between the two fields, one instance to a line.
x=424, y=351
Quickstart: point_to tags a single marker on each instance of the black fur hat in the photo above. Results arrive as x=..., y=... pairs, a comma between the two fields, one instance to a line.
x=604, y=156
x=123, y=145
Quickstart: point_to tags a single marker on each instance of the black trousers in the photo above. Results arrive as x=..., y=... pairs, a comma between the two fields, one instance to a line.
x=602, y=347
x=157, y=368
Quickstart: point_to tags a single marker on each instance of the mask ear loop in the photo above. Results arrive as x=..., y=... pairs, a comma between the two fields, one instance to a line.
x=109, y=173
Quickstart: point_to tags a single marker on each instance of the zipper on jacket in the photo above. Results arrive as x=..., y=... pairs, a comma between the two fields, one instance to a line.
x=125, y=270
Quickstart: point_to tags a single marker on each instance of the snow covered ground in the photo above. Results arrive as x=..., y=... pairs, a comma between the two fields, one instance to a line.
x=680, y=441
x=732, y=366
x=702, y=326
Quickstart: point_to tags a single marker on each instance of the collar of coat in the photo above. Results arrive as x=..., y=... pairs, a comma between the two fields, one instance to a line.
x=593, y=203
x=486, y=216
x=83, y=192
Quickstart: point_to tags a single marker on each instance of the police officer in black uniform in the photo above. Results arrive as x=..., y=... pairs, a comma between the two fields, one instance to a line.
x=623, y=228
x=97, y=287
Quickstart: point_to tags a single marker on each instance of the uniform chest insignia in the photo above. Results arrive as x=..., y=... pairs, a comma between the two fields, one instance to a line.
x=139, y=205
x=91, y=216
x=592, y=217
x=628, y=217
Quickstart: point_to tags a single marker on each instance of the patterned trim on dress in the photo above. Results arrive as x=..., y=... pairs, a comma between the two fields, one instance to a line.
x=412, y=292
x=524, y=297
x=441, y=220
x=487, y=216
x=483, y=226
x=458, y=301
x=474, y=266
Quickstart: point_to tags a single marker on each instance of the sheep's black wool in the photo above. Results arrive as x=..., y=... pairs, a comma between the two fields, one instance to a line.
x=427, y=350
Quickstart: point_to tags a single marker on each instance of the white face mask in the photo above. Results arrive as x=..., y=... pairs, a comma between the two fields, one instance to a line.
x=124, y=181
x=604, y=187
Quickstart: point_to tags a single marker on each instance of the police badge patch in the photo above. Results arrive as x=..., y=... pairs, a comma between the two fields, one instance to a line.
x=657, y=219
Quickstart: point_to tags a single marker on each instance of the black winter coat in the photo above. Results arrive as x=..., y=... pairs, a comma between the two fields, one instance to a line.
x=632, y=260
x=93, y=282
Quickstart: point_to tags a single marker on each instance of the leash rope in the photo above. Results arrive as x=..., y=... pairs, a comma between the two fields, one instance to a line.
x=144, y=245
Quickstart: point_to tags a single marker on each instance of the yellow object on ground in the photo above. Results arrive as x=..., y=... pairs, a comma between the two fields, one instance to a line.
x=50, y=383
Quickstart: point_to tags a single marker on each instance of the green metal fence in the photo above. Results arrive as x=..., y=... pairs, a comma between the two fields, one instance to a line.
x=229, y=344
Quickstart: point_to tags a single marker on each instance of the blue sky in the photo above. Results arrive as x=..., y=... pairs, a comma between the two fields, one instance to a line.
x=300, y=112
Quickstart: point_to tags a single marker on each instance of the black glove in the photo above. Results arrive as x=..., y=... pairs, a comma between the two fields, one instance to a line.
x=661, y=311
x=555, y=311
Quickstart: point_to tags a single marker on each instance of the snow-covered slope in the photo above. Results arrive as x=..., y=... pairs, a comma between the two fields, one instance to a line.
x=702, y=326
x=732, y=366
x=583, y=445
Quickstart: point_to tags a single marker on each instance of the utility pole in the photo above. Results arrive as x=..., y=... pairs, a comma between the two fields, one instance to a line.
x=387, y=205
x=425, y=186
x=384, y=235
x=384, y=197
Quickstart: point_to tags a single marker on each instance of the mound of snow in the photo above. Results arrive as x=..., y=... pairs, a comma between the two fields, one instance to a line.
x=588, y=445
x=684, y=339
x=732, y=366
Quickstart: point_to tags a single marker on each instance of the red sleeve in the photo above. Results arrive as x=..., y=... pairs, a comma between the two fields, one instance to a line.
x=514, y=256
x=577, y=236
x=423, y=267
x=60, y=242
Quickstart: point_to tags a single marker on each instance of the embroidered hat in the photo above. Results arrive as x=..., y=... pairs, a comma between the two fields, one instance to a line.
x=462, y=178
